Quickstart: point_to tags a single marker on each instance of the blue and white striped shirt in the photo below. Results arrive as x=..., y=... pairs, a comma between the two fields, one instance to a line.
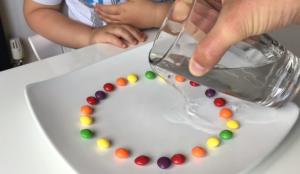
x=82, y=10
x=97, y=22
x=93, y=2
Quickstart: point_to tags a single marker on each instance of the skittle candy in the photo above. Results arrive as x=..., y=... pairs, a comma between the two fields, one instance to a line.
x=198, y=152
x=100, y=95
x=86, y=120
x=178, y=159
x=108, y=87
x=86, y=110
x=92, y=100
x=210, y=92
x=213, y=142
x=226, y=113
x=161, y=79
x=150, y=75
x=121, y=81
x=180, y=78
x=194, y=84
x=164, y=162
x=86, y=134
x=226, y=135
x=132, y=78
x=142, y=160
x=103, y=143
x=122, y=153
x=219, y=102
x=233, y=124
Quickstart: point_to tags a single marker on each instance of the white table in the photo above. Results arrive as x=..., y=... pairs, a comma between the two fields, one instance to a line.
x=24, y=149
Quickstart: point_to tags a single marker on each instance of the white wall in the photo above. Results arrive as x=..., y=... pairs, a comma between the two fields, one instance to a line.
x=11, y=12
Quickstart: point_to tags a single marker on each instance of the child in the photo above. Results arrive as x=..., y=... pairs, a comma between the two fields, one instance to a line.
x=139, y=13
x=95, y=19
x=83, y=26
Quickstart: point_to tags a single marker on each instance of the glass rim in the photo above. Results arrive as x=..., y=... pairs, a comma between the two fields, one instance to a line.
x=178, y=35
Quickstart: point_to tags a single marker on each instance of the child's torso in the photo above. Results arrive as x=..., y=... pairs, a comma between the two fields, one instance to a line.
x=80, y=10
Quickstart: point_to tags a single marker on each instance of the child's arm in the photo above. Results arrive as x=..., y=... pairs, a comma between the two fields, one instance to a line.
x=51, y=23
x=139, y=13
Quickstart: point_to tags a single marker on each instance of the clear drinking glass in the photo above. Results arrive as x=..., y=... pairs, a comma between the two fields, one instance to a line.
x=258, y=69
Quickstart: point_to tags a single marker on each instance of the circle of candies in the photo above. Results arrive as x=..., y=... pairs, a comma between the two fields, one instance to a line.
x=163, y=162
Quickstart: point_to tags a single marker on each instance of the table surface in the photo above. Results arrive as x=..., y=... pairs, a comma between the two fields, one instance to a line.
x=24, y=148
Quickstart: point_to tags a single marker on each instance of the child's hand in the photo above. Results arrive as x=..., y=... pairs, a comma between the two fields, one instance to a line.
x=139, y=13
x=118, y=35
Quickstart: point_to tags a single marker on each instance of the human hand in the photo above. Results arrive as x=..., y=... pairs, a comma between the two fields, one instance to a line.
x=236, y=20
x=139, y=13
x=118, y=35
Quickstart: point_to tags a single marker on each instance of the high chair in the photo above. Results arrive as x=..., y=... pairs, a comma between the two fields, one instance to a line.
x=44, y=48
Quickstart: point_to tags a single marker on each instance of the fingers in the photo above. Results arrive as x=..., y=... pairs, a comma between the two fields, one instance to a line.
x=109, y=18
x=124, y=34
x=137, y=34
x=209, y=51
x=114, y=40
x=118, y=35
x=181, y=10
x=102, y=36
x=109, y=9
x=128, y=33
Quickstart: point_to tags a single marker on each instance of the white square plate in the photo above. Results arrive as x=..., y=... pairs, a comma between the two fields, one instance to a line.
x=132, y=117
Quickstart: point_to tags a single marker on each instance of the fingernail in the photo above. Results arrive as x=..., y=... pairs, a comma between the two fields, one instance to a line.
x=124, y=46
x=196, y=69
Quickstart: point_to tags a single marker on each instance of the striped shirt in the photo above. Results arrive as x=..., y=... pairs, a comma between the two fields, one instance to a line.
x=83, y=11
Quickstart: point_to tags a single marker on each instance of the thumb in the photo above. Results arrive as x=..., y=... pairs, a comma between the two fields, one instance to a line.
x=213, y=46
